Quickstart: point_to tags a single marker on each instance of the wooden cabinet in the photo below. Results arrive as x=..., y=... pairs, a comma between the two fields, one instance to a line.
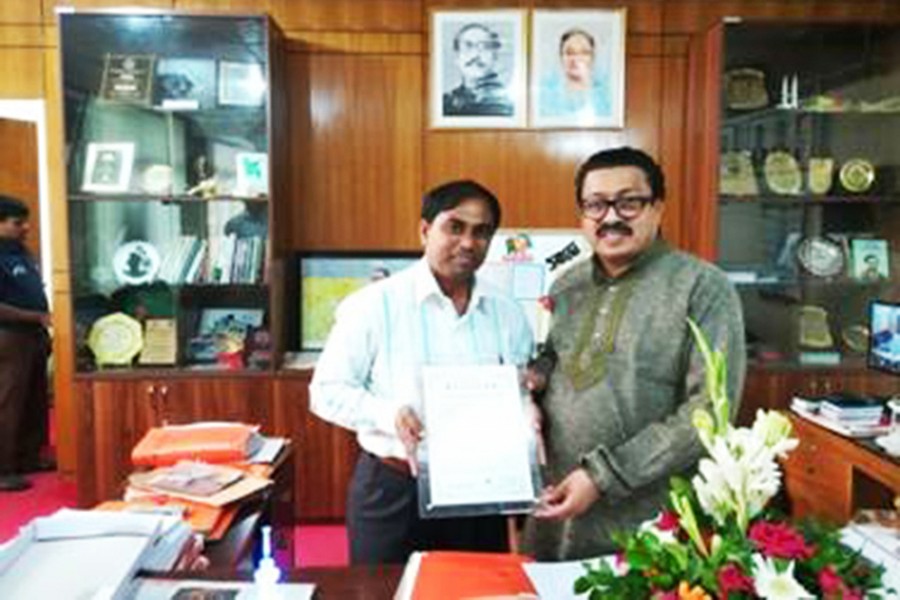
x=773, y=388
x=116, y=412
x=324, y=454
x=830, y=477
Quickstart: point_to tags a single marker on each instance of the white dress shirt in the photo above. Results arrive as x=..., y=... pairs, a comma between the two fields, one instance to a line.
x=383, y=335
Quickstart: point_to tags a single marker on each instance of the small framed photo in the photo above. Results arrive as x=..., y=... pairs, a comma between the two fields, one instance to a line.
x=477, y=69
x=869, y=259
x=185, y=83
x=241, y=84
x=107, y=168
x=578, y=68
x=251, y=174
x=215, y=321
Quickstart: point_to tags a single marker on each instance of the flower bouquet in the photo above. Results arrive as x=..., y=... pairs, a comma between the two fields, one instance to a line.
x=719, y=539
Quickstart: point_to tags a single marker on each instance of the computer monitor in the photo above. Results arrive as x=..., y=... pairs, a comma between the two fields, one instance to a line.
x=326, y=278
x=884, y=338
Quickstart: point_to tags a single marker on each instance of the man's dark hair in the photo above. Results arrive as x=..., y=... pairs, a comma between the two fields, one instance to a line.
x=575, y=31
x=10, y=207
x=622, y=157
x=495, y=38
x=449, y=195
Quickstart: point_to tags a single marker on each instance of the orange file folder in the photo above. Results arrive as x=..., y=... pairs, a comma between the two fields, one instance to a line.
x=213, y=443
x=471, y=575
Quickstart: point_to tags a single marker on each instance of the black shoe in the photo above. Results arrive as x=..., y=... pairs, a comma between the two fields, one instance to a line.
x=13, y=483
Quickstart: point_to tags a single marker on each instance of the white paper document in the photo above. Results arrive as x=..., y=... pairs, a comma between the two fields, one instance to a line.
x=557, y=579
x=478, y=440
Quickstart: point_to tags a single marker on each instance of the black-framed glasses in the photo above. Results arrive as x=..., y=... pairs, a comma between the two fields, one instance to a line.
x=627, y=207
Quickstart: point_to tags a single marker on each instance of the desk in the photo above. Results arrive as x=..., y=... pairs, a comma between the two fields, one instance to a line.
x=337, y=583
x=831, y=477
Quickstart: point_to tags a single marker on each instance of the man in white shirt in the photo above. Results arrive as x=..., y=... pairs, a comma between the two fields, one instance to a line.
x=368, y=379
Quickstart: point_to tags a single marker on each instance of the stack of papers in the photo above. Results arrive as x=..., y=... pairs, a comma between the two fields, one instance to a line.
x=843, y=414
x=214, y=485
x=87, y=554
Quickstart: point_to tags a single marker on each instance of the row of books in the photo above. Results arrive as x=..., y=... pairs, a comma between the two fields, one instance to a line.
x=847, y=414
x=220, y=259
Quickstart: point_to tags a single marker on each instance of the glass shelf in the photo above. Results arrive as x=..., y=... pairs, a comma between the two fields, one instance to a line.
x=759, y=234
x=167, y=129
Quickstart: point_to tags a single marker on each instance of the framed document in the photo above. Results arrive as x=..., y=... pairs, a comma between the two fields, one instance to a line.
x=479, y=455
x=160, y=342
x=107, y=168
x=128, y=78
x=241, y=84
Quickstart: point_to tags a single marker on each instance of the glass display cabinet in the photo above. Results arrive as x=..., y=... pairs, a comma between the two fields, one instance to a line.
x=169, y=146
x=809, y=184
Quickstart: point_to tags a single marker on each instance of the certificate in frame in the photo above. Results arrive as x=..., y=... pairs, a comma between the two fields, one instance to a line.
x=128, y=78
x=479, y=458
x=241, y=84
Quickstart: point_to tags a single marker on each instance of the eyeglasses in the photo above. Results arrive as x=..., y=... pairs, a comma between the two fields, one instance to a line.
x=627, y=207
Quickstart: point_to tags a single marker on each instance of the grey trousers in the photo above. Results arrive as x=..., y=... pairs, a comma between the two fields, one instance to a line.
x=383, y=523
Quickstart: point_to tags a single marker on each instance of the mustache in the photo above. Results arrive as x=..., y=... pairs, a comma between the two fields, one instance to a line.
x=617, y=227
x=475, y=61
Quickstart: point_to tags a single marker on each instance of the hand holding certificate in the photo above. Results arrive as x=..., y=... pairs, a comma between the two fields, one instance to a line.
x=479, y=453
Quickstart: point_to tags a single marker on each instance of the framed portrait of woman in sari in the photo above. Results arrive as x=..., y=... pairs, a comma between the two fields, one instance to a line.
x=578, y=68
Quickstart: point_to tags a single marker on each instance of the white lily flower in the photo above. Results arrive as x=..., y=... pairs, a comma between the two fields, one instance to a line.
x=771, y=584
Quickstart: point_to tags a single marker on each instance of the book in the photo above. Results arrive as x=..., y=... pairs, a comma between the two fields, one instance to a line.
x=194, y=478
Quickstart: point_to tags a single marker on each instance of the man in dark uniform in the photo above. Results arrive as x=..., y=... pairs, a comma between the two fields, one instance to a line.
x=24, y=347
x=481, y=92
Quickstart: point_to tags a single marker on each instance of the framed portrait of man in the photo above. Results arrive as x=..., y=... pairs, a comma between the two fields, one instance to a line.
x=477, y=69
x=578, y=68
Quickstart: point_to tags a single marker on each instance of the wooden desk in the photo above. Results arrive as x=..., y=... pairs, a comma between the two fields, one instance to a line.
x=337, y=583
x=830, y=476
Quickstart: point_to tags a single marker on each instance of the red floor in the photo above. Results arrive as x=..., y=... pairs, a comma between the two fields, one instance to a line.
x=315, y=545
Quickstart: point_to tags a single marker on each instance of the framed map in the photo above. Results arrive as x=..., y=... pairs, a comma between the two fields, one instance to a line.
x=328, y=278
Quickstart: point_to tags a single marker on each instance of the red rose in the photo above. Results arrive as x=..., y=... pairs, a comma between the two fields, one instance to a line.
x=779, y=540
x=731, y=578
x=668, y=521
x=834, y=588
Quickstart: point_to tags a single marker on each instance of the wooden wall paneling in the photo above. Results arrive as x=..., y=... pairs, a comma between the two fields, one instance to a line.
x=345, y=42
x=20, y=11
x=65, y=409
x=243, y=399
x=122, y=414
x=671, y=147
x=531, y=171
x=348, y=15
x=324, y=454
x=21, y=73
x=21, y=35
x=84, y=434
x=701, y=147
x=50, y=6
x=356, y=164
x=248, y=7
